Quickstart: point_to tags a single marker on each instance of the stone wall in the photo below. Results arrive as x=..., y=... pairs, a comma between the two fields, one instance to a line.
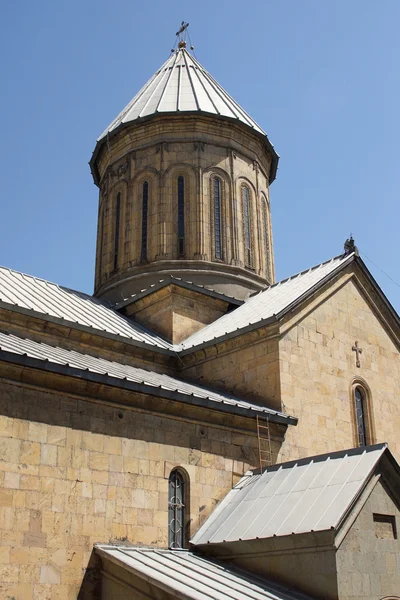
x=74, y=472
x=318, y=370
x=368, y=561
x=247, y=367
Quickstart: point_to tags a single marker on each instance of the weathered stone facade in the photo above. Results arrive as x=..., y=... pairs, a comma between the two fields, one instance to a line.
x=76, y=472
x=307, y=366
x=198, y=149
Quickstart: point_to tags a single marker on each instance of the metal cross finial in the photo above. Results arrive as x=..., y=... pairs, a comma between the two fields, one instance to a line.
x=358, y=351
x=181, y=31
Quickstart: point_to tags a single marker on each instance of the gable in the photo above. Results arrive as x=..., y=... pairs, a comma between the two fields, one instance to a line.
x=372, y=549
x=318, y=369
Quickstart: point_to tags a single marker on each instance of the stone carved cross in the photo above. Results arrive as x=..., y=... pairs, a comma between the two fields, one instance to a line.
x=358, y=351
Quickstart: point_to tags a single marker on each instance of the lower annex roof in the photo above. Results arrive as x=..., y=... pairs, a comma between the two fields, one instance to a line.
x=185, y=575
x=84, y=366
x=301, y=496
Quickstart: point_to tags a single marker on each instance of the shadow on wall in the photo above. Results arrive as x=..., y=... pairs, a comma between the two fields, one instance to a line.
x=91, y=584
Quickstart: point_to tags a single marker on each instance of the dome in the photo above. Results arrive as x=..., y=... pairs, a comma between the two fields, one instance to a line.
x=182, y=86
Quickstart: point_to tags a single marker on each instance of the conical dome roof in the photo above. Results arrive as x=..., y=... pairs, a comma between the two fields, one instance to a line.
x=182, y=85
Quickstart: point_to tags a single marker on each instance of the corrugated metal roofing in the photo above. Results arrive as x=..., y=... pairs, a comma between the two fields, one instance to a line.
x=312, y=494
x=150, y=382
x=186, y=575
x=181, y=85
x=266, y=304
x=18, y=290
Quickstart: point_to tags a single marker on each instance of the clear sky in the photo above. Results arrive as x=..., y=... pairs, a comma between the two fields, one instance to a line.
x=321, y=77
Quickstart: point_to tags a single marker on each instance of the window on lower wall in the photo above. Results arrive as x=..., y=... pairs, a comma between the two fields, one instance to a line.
x=176, y=510
x=385, y=527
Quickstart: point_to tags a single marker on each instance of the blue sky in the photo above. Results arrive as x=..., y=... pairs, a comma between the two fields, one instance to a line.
x=321, y=77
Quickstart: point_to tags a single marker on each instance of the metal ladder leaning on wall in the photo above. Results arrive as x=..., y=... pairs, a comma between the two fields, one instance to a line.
x=264, y=442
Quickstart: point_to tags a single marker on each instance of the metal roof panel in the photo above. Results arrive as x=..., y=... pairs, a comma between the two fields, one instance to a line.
x=150, y=380
x=186, y=575
x=266, y=304
x=311, y=494
x=182, y=85
x=20, y=291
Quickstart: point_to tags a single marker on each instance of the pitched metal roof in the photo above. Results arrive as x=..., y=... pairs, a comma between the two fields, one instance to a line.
x=24, y=293
x=69, y=362
x=185, y=575
x=178, y=281
x=181, y=85
x=266, y=305
x=311, y=494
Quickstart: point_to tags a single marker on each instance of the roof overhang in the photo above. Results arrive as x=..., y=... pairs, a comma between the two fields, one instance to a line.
x=160, y=391
x=105, y=139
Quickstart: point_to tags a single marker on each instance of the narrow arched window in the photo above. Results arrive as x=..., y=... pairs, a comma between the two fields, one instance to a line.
x=360, y=410
x=217, y=218
x=266, y=239
x=101, y=234
x=181, y=216
x=246, y=224
x=117, y=222
x=145, y=201
x=176, y=510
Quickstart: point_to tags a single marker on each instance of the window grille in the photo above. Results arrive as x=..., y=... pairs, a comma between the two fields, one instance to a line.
x=181, y=216
x=145, y=200
x=117, y=220
x=176, y=510
x=359, y=399
x=217, y=217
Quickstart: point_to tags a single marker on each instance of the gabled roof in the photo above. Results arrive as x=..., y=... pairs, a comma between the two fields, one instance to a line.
x=183, y=574
x=37, y=297
x=267, y=306
x=178, y=281
x=183, y=86
x=309, y=495
x=84, y=366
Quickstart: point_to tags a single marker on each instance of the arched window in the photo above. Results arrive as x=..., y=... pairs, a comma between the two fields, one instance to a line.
x=145, y=201
x=176, y=510
x=101, y=234
x=181, y=216
x=117, y=220
x=360, y=410
x=246, y=224
x=266, y=239
x=217, y=218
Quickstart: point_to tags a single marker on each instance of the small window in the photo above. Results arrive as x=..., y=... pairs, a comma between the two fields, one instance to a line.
x=117, y=220
x=176, y=510
x=246, y=224
x=217, y=218
x=360, y=409
x=181, y=216
x=385, y=527
x=145, y=201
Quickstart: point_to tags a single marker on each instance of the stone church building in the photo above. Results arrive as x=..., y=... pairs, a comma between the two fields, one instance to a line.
x=196, y=429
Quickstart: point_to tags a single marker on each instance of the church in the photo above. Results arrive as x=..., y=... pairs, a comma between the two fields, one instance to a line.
x=196, y=429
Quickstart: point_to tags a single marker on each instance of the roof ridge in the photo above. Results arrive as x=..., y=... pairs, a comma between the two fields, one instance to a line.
x=313, y=268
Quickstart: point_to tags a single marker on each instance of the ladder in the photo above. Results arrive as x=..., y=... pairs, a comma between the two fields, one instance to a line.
x=264, y=442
